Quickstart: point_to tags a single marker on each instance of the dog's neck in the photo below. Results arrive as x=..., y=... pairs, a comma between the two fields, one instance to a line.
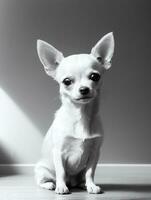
x=80, y=120
x=83, y=117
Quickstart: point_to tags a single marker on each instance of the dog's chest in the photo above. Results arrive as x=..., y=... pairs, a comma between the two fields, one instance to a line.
x=76, y=152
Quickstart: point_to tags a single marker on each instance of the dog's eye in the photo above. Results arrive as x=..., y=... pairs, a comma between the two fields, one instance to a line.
x=95, y=77
x=67, y=81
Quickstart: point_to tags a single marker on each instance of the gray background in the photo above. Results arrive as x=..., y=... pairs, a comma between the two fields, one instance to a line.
x=30, y=98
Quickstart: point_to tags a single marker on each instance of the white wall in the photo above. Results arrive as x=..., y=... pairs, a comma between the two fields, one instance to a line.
x=29, y=98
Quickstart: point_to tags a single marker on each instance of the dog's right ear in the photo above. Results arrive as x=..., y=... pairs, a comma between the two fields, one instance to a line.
x=49, y=56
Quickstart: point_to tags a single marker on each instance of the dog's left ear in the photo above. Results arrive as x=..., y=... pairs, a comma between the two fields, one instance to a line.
x=104, y=49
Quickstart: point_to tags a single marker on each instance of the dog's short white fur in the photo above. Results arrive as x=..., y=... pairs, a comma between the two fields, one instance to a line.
x=71, y=147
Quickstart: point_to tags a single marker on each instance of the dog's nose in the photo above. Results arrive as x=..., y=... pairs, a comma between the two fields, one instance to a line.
x=84, y=90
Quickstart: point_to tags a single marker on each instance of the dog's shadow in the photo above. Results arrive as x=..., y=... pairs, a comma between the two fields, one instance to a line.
x=119, y=188
x=126, y=187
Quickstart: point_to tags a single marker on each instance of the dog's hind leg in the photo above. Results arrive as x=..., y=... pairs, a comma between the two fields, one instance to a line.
x=45, y=178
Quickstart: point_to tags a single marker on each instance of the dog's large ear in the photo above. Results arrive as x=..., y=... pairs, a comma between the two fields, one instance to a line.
x=104, y=49
x=49, y=56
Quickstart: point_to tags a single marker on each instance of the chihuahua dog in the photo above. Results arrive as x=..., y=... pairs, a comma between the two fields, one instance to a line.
x=71, y=147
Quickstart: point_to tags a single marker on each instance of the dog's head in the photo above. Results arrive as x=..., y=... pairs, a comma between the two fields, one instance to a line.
x=79, y=76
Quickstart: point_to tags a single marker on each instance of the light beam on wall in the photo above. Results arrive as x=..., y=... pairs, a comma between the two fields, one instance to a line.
x=19, y=137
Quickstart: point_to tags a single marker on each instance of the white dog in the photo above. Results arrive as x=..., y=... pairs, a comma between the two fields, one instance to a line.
x=71, y=147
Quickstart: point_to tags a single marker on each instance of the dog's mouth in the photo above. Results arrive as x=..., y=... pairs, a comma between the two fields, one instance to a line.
x=84, y=99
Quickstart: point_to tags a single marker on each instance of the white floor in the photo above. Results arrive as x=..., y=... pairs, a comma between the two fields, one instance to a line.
x=118, y=184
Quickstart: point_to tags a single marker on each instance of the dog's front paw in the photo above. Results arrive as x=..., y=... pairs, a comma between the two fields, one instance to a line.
x=62, y=189
x=93, y=189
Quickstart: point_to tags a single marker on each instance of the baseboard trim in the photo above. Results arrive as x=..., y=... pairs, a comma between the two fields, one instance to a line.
x=104, y=169
x=17, y=165
x=12, y=169
x=123, y=165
